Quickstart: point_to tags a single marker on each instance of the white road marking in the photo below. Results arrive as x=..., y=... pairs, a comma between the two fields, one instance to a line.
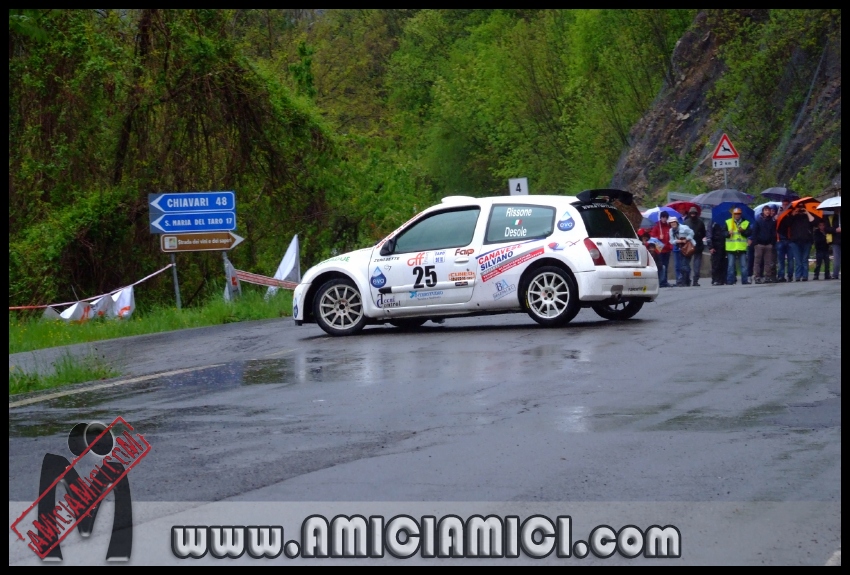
x=281, y=352
x=50, y=396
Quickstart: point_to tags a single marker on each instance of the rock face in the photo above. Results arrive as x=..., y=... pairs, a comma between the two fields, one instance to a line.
x=681, y=129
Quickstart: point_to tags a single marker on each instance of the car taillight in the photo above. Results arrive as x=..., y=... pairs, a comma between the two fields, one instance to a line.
x=594, y=252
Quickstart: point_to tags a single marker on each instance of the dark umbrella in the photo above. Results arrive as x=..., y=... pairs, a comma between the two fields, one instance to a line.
x=779, y=194
x=717, y=197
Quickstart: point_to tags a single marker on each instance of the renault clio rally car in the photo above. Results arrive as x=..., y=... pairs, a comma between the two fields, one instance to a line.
x=547, y=256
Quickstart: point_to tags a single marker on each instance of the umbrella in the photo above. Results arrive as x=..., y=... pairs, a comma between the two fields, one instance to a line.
x=722, y=212
x=760, y=207
x=645, y=223
x=717, y=197
x=683, y=207
x=779, y=194
x=808, y=202
x=830, y=203
x=652, y=215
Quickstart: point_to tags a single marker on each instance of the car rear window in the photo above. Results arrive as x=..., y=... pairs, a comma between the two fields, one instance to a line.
x=510, y=222
x=605, y=221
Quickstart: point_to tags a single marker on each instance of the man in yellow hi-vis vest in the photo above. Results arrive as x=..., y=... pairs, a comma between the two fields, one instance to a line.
x=737, y=232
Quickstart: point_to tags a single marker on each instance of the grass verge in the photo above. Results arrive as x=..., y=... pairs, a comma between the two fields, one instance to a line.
x=30, y=333
x=66, y=370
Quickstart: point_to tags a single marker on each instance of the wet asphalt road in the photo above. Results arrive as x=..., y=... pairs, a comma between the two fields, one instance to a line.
x=713, y=395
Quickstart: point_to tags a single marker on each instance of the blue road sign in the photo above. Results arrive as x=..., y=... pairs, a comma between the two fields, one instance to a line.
x=194, y=222
x=172, y=203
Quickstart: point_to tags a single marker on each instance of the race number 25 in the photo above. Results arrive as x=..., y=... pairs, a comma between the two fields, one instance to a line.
x=428, y=273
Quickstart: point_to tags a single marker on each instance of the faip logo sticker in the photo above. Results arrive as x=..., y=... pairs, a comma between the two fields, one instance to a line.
x=566, y=223
x=378, y=278
x=105, y=454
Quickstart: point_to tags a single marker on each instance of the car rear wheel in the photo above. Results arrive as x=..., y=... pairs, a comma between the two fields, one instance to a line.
x=618, y=311
x=338, y=307
x=406, y=324
x=551, y=296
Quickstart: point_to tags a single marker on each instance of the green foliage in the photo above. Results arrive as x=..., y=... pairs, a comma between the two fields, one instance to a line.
x=28, y=332
x=64, y=371
x=339, y=125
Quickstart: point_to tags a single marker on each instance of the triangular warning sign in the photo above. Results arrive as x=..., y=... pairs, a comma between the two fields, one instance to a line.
x=725, y=150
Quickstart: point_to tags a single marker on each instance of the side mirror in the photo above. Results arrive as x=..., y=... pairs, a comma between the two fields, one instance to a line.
x=388, y=247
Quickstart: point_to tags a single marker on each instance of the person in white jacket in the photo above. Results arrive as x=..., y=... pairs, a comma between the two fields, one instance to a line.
x=679, y=234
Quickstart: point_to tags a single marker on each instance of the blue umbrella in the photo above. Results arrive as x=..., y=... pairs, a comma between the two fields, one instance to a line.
x=722, y=212
x=652, y=215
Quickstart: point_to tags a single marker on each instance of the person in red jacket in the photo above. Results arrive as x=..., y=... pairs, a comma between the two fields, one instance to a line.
x=661, y=232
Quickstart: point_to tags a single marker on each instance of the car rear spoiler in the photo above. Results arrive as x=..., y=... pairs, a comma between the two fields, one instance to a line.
x=611, y=194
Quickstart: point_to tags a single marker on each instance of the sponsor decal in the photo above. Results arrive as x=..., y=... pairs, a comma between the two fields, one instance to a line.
x=637, y=289
x=295, y=308
x=386, y=259
x=566, y=223
x=378, y=279
x=386, y=301
x=388, y=268
x=439, y=257
x=616, y=244
x=461, y=276
x=464, y=252
x=461, y=284
x=595, y=206
x=511, y=263
x=419, y=259
x=503, y=289
x=492, y=258
x=418, y=295
x=555, y=247
x=337, y=259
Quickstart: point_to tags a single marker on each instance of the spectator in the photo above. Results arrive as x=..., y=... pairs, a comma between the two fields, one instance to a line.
x=834, y=228
x=694, y=222
x=679, y=234
x=763, y=240
x=717, y=243
x=775, y=258
x=819, y=235
x=737, y=232
x=661, y=232
x=783, y=253
x=797, y=226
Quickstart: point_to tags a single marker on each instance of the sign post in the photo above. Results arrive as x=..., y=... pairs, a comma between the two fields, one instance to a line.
x=725, y=156
x=193, y=222
x=174, y=275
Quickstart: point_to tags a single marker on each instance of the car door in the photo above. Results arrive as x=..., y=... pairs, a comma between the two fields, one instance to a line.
x=511, y=241
x=430, y=262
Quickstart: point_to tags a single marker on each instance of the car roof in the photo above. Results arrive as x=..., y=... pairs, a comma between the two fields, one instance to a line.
x=490, y=200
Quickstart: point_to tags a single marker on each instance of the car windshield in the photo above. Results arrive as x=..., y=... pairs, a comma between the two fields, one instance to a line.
x=605, y=221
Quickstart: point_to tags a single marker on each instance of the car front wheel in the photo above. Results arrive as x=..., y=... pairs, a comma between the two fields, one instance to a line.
x=618, y=311
x=338, y=308
x=551, y=296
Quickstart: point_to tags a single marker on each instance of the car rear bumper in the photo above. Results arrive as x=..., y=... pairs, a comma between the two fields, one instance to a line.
x=605, y=283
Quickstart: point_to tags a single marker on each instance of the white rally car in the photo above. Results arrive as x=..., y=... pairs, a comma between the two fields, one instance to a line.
x=547, y=256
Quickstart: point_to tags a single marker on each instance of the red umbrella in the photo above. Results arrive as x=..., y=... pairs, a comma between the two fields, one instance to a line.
x=809, y=203
x=684, y=207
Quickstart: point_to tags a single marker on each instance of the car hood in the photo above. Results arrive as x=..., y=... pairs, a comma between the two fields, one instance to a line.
x=349, y=261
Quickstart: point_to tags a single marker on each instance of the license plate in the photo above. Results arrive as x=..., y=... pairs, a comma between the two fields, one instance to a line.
x=627, y=255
